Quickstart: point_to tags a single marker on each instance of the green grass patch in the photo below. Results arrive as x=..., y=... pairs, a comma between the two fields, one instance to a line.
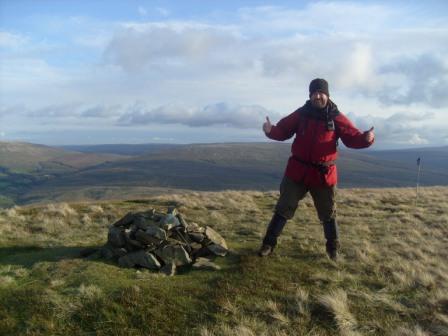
x=390, y=279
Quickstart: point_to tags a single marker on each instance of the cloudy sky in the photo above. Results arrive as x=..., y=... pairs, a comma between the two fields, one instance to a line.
x=89, y=72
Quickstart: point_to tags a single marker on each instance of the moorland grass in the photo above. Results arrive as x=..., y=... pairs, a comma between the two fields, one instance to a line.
x=391, y=278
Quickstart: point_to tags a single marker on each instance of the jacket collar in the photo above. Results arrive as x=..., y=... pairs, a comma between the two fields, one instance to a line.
x=328, y=112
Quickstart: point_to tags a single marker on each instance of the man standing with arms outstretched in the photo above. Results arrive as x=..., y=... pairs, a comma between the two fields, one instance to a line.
x=311, y=168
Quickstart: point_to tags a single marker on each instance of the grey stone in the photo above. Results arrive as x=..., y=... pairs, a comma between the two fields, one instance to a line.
x=196, y=236
x=148, y=260
x=146, y=238
x=219, y=245
x=172, y=211
x=207, y=264
x=152, y=247
x=173, y=253
x=182, y=220
x=132, y=244
x=156, y=232
x=116, y=236
x=195, y=246
x=169, y=222
x=179, y=233
x=158, y=217
x=119, y=252
x=142, y=223
x=169, y=269
x=126, y=261
x=202, y=252
x=137, y=238
x=125, y=221
x=139, y=258
x=194, y=227
x=149, y=213
x=217, y=249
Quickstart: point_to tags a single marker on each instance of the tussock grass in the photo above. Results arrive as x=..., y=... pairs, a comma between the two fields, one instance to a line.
x=12, y=214
x=95, y=209
x=391, y=279
x=60, y=209
x=337, y=303
x=416, y=331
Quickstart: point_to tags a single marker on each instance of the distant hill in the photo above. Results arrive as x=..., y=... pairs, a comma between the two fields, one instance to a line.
x=432, y=158
x=56, y=173
x=21, y=157
x=25, y=165
x=258, y=166
x=121, y=149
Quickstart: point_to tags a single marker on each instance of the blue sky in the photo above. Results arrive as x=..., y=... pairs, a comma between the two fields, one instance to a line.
x=86, y=72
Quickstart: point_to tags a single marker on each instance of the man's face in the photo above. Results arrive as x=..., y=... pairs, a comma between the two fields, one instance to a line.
x=319, y=99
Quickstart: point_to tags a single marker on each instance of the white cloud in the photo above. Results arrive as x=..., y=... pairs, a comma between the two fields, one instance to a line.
x=156, y=47
x=350, y=57
x=28, y=72
x=99, y=111
x=401, y=128
x=163, y=11
x=142, y=11
x=77, y=111
x=416, y=139
x=32, y=81
x=426, y=78
x=263, y=56
x=238, y=116
x=139, y=114
x=319, y=18
x=11, y=110
x=97, y=41
x=11, y=40
x=359, y=68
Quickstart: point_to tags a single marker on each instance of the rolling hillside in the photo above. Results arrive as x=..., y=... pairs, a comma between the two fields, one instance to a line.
x=24, y=165
x=357, y=167
x=58, y=174
x=120, y=149
x=434, y=158
x=20, y=157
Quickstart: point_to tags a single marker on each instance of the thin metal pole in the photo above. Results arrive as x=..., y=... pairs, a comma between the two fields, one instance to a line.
x=419, y=165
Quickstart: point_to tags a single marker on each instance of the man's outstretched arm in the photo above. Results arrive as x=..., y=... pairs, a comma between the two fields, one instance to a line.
x=351, y=136
x=284, y=129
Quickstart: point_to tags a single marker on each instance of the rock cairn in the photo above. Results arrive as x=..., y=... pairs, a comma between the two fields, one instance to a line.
x=158, y=241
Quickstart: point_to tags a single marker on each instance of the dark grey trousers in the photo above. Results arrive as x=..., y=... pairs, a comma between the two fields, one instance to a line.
x=291, y=193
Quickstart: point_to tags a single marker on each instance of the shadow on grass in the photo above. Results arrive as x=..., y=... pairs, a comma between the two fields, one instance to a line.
x=322, y=316
x=27, y=256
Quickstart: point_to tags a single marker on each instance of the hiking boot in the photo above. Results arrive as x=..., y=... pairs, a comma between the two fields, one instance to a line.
x=265, y=250
x=332, y=248
x=332, y=254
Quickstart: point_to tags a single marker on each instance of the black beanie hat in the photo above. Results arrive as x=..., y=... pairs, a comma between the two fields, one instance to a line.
x=320, y=85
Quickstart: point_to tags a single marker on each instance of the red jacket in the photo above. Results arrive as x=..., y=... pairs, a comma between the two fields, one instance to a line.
x=314, y=149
